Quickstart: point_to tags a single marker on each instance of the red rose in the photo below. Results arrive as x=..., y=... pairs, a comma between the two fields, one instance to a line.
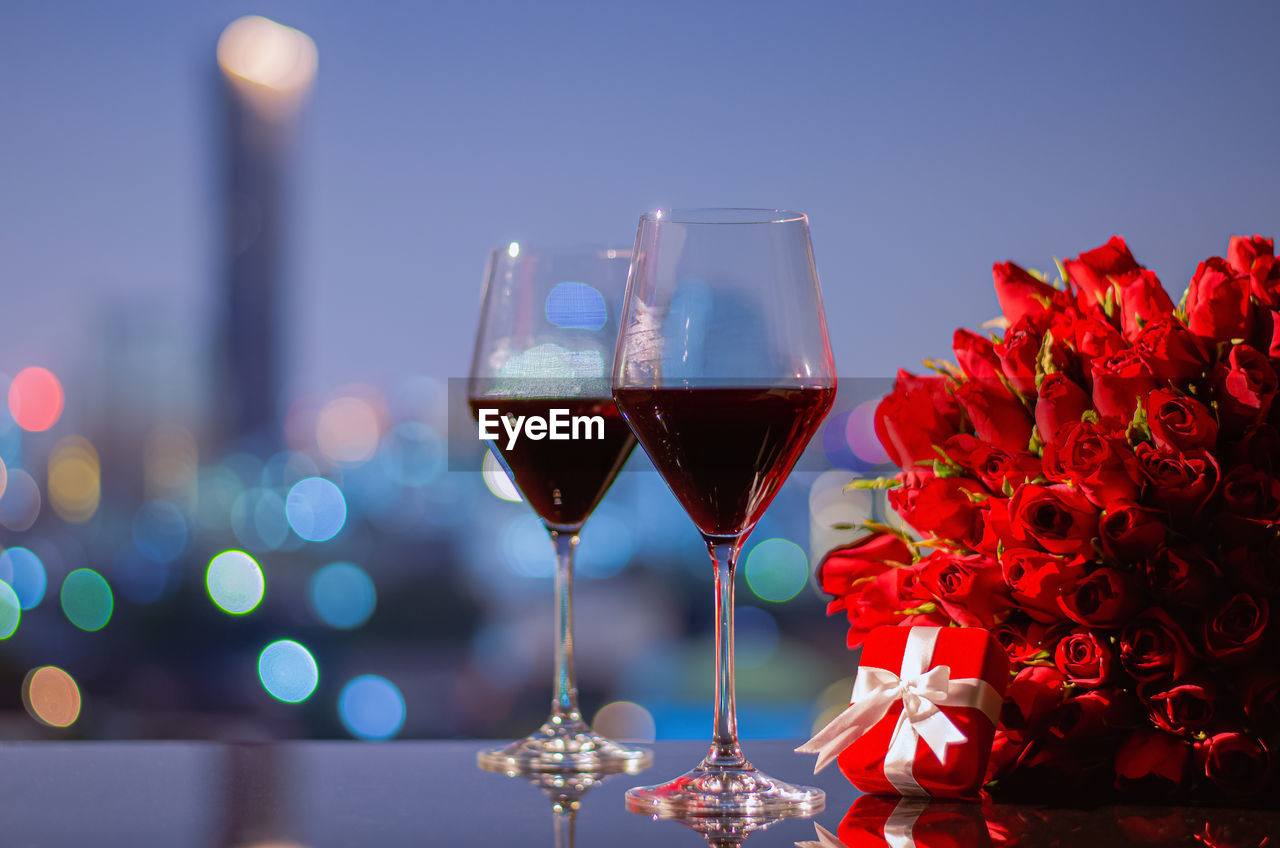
x=1018, y=353
x=1034, y=693
x=1244, y=385
x=1259, y=447
x=978, y=358
x=1130, y=533
x=1119, y=382
x=1171, y=352
x=1234, y=632
x=1260, y=692
x=1022, y=641
x=918, y=414
x=1093, y=337
x=1060, y=402
x=999, y=471
x=1184, y=707
x=1007, y=750
x=1141, y=300
x=881, y=600
x=1090, y=271
x=1218, y=302
x=1151, y=762
x=1105, y=598
x=1086, y=658
x=1036, y=580
x=1256, y=258
x=867, y=558
x=997, y=416
x=1180, y=575
x=1154, y=647
x=936, y=506
x=1020, y=294
x=1179, y=482
x=1101, y=466
x=1243, y=251
x=1057, y=518
x=1179, y=422
x=968, y=588
x=1237, y=763
x=1252, y=494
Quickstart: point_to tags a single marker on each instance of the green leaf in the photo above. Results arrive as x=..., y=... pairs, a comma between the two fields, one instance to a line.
x=1036, y=445
x=1044, y=358
x=873, y=483
x=1138, y=430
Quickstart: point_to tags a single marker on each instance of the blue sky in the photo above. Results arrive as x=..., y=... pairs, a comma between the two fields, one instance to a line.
x=925, y=141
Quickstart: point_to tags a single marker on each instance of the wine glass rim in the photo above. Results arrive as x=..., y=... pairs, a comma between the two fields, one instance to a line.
x=723, y=215
x=602, y=250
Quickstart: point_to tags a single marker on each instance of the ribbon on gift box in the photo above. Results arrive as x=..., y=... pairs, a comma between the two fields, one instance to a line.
x=899, y=828
x=923, y=691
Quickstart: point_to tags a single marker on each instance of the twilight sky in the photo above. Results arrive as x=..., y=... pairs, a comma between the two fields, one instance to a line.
x=924, y=141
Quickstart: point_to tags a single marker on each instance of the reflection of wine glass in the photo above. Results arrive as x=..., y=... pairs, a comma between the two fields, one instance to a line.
x=543, y=352
x=726, y=831
x=565, y=789
x=724, y=372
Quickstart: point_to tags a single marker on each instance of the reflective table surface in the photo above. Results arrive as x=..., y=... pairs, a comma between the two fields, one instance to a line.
x=432, y=793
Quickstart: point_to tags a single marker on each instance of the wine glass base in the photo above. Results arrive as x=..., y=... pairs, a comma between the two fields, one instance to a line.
x=564, y=746
x=717, y=790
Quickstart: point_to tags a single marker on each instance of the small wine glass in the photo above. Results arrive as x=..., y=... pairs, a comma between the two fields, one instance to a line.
x=724, y=372
x=545, y=345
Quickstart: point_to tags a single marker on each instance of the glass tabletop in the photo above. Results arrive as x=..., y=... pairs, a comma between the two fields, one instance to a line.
x=432, y=793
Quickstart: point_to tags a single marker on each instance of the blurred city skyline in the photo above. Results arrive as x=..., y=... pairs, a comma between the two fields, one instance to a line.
x=923, y=146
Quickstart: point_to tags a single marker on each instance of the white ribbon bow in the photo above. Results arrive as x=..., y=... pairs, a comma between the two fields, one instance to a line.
x=923, y=691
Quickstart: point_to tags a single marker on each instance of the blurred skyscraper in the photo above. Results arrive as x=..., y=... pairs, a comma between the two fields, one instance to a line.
x=266, y=70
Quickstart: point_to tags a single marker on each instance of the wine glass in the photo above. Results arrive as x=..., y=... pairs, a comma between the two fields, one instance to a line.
x=544, y=350
x=724, y=372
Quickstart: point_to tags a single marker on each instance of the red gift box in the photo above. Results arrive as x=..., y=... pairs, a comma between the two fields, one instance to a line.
x=924, y=710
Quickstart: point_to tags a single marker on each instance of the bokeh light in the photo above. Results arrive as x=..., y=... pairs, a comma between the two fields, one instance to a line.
x=496, y=479
x=777, y=570
x=10, y=611
x=525, y=548
x=288, y=671
x=160, y=531
x=342, y=595
x=258, y=519
x=607, y=543
x=412, y=454
x=371, y=707
x=860, y=433
x=25, y=574
x=576, y=306
x=261, y=51
x=4, y=476
x=348, y=429
x=235, y=582
x=74, y=479
x=625, y=721
x=86, y=599
x=316, y=509
x=20, y=505
x=51, y=696
x=35, y=399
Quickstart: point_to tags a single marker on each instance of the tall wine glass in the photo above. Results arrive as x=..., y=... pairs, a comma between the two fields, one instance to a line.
x=724, y=372
x=545, y=346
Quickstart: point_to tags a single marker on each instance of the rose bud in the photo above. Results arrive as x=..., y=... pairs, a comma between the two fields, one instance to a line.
x=1061, y=402
x=1252, y=494
x=1180, y=575
x=1151, y=762
x=1130, y=533
x=1254, y=556
x=1007, y=751
x=936, y=506
x=1089, y=715
x=1218, y=302
x=1179, y=422
x=1171, y=352
x=1237, y=763
x=1154, y=647
x=1185, y=707
x=1018, y=354
x=1094, y=338
x=868, y=557
x=1141, y=300
x=918, y=414
x=968, y=588
x=1243, y=251
x=1057, y=518
x=1020, y=294
x=1090, y=271
x=1244, y=386
x=992, y=527
x=1255, y=256
x=1101, y=466
x=1119, y=382
x=997, y=416
x=977, y=358
x=1105, y=598
x=1234, y=632
x=1264, y=281
x=1260, y=692
x=1036, y=580
x=994, y=467
x=1085, y=657
x=882, y=599
x=1177, y=481
x=1031, y=696
x=1022, y=640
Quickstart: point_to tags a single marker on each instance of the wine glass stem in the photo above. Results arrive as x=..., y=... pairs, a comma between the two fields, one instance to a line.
x=724, y=741
x=566, y=815
x=564, y=708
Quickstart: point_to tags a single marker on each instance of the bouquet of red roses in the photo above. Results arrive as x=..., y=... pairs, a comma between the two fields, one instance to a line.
x=1100, y=487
